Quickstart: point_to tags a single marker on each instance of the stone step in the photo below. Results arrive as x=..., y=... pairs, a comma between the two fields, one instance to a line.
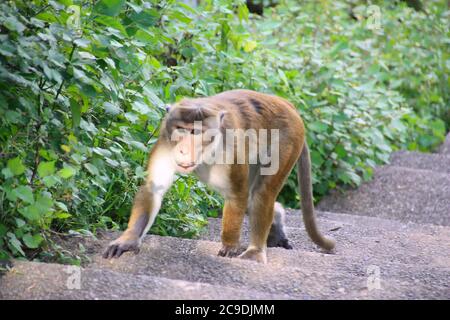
x=34, y=280
x=405, y=194
x=296, y=273
x=425, y=161
x=362, y=239
x=445, y=147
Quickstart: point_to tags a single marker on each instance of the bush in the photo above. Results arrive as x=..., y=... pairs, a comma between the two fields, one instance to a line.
x=83, y=87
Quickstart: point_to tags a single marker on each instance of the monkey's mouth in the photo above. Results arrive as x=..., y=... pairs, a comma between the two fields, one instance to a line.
x=186, y=167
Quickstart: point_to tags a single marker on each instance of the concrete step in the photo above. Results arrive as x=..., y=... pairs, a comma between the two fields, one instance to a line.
x=445, y=147
x=34, y=280
x=412, y=261
x=424, y=161
x=296, y=273
x=363, y=239
x=400, y=193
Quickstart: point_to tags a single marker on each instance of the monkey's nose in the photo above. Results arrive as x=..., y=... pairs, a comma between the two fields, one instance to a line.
x=183, y=151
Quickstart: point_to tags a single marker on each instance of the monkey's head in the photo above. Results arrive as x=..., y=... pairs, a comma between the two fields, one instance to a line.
x=194, y=129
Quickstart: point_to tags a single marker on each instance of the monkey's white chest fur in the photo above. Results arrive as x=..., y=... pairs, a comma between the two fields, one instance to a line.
x=215, y=176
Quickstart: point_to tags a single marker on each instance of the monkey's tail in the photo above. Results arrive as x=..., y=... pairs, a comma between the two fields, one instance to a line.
x=306, y=195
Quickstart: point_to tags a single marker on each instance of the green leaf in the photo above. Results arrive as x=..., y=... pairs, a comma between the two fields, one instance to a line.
x=243, y=12
x=15, y=166
x=145, y=37
x=250, y=45
x=20, y=223
x=140, y=107
x=50, y=181
x=62, y=206
x=131, y=116
x=76, y=113
x=30, y=212
x=146, y=18
x=52, y=74
x=15, y=243
x=92, y=169
x=46, y=168
x=47, y=16
x=109, y=7
x=318, y=126
x=3, y=230
x=7, y=173
x=32, y=242
x=349, y=177
x=13, y=24
x=438, y=127
x=316, y=158
x=153, y=98
x=25, y=193
x=340, y=150
x=138, y=144
x=102, y=152
x=65, y=2
x=111, y=109
x=44, y=203
x=113, y=23
x=63, y=215
x=4, y=255
x=179, y=15
x=67, y=172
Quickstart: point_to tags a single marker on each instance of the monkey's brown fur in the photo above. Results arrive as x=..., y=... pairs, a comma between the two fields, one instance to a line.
x=242, y=185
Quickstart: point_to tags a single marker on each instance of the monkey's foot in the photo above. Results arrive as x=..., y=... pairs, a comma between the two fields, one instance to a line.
x=282, y=243
x=228, y=251
x=121, y=245
x=257, y=255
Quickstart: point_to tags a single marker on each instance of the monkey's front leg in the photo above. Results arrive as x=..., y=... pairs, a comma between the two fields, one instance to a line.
x=140, y=218
x=147, y=203
x=233, y=215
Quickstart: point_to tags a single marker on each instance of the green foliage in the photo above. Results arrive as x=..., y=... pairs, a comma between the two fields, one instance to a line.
x=83, y=86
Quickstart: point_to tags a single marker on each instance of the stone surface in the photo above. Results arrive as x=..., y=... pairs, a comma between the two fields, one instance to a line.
x=33, y=280
x=424, y=161
x=361, y=238
x=297, y=273
x=173, y=268
x=399, y=193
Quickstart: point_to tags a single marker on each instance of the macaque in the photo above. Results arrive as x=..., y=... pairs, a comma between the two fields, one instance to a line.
x=243, y=144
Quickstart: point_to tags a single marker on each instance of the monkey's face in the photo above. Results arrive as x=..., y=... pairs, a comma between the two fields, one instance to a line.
x=192, y=134
x=187, y=148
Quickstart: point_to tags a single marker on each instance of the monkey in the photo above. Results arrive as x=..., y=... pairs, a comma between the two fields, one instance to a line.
x=195, y=139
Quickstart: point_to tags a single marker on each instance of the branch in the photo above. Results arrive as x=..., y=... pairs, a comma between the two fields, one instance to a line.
x=63, y=80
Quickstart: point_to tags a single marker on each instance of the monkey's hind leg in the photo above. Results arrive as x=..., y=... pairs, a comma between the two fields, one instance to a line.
x=261, y=209
x=260, y=217
x=277, y=235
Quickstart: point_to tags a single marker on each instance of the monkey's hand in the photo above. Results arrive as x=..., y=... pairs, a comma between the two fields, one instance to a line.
x=126, y=242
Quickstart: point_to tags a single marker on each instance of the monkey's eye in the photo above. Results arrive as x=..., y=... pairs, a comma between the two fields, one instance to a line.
x=182, y=130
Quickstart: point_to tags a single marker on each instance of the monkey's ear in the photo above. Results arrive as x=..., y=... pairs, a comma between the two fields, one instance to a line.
x=167, y=107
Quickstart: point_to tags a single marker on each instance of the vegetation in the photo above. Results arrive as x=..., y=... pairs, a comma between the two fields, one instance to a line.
x=83, y=85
